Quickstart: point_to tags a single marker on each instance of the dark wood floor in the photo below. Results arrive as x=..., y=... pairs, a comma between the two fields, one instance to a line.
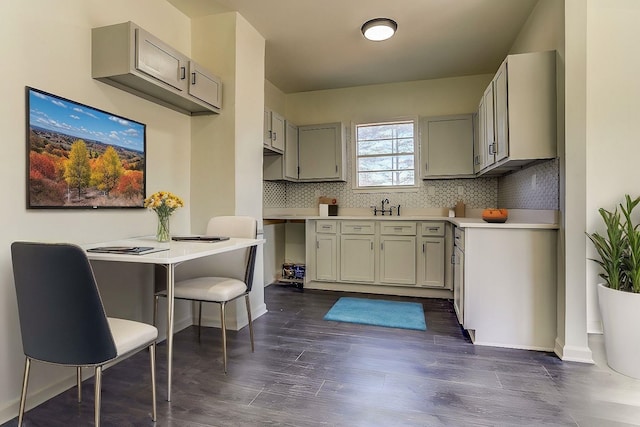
x=310, y=372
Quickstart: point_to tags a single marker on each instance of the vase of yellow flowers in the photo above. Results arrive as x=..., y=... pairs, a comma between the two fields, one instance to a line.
x=163, y=203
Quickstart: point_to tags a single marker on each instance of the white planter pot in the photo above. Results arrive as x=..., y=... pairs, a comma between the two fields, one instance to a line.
x=620, y=313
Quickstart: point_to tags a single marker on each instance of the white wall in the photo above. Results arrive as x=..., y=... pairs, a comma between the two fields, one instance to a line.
x=613, y=114
x=47, y=45
x=457, y=95
x=227, y=149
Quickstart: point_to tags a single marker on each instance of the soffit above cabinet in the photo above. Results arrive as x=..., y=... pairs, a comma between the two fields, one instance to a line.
x=129, y=58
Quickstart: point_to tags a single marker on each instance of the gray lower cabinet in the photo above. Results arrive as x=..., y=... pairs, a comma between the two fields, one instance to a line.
x=397, y=260
x=357, y=251
x=392, y=253
x=326, y=251
x=130, y=58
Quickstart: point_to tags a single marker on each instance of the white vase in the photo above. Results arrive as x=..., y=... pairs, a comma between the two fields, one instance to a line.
x=620, y=313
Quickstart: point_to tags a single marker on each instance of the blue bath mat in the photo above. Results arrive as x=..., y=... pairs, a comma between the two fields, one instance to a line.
x=390, y=314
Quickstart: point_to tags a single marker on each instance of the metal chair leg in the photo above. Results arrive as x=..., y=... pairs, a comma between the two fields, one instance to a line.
x=152, y=356
x=98, y=388
x=246, y=299
x=79, y=382
x=199, y=319
x=223, y=327
x=155, y=309
x=23, y=396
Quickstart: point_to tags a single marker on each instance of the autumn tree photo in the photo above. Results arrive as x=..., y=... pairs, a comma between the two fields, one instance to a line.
x=77, y=172
x=107, y=171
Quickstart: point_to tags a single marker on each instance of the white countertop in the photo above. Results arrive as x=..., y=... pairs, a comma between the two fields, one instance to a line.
x=518, y=219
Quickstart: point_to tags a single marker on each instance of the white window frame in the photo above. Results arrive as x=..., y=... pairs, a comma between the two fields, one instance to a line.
x=416, y=158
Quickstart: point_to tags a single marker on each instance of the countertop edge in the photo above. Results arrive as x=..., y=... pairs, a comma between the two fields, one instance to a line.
x=459, y=222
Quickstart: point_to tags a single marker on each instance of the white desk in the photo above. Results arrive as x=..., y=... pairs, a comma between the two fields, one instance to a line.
x=177, y=253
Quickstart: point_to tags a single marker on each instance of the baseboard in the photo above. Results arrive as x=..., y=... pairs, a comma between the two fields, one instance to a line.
x=573, y=353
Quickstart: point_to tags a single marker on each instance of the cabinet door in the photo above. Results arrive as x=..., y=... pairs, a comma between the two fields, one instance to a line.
x=447, y=146
x=326, y=257
x=458, y=284
x=431, y=262
x=291, y=152
x=357, y=258
x=273, y=137
x=398, y=260
x=160, y=61
x=277, y=132
x=501, y=112
x=489, y=127
x=266, y=129
x=320, y=150
x=479, y=146
x=204, y=85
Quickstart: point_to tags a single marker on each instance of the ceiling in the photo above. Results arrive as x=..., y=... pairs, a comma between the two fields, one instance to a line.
x=317, y=44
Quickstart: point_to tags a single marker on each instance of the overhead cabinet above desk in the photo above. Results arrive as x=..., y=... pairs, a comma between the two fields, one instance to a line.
x=129, y=58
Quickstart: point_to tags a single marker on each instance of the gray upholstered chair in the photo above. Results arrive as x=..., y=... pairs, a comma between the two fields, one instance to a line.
x=62, y=320
x=235, y=283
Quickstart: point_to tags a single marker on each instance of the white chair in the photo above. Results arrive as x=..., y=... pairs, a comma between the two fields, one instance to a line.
x=223, y=289
x=62, y=320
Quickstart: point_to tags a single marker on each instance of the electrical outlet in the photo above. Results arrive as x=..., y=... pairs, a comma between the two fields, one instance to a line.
x=460, y=190
x=534, y=184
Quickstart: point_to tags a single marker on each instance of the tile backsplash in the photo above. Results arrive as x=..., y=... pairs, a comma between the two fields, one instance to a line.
x=535, y=187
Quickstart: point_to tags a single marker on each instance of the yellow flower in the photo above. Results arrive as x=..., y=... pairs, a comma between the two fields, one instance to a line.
x=163, y=202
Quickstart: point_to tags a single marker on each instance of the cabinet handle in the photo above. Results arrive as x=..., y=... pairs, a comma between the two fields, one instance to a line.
x=193, y=78
x=317, y=244
x=453, y=259
x=183, y=73
x=274, y=136
x=397, y=228
x=270, y=135
x=423, y=248
x=381, y=246
x=336, y=168
x=434, y=228
x=357, y=228
x=426, y=166
x=371, y=245
x=326, y=227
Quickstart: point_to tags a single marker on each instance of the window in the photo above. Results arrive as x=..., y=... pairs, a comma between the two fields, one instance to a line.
x=385, y=155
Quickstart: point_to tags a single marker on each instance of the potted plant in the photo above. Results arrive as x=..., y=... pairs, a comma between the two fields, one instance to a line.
x=619, y=295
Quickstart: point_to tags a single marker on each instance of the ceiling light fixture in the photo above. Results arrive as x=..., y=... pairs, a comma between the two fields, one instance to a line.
x=379, y=29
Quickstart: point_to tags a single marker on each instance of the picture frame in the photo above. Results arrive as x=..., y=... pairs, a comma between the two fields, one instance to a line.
x=82, y=157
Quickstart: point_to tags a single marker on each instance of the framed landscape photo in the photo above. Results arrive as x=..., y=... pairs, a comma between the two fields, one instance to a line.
x=80, y=157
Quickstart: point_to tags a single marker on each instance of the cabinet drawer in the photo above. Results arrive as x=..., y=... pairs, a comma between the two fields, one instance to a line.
x=432, y=229
x=398, y=228
x=353, y=227
x=326, y=227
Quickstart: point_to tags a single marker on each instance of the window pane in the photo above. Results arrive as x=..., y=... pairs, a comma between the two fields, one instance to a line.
x=374, y=179
x=385, y=154
x=375, y=164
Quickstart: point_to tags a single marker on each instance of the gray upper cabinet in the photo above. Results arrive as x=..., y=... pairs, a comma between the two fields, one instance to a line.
x=447, y=146
x=321, y=152
x=129, y=58
x=204, y=86
x=273, y=139
x=520, y=125
x=160, y=61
